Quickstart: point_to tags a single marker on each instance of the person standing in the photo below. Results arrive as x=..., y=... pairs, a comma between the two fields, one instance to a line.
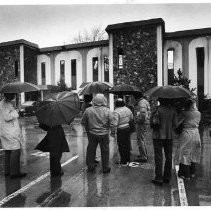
x=162, y=140
x=11, y=136
x=122, y=117
x=55, y=143
x=190, y=148
x=142, y=116
x=97, y=121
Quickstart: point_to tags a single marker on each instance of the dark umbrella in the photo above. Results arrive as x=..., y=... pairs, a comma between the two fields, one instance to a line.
x=125, y=89
x=169, y=91
x=19, y=87
x=60, y=108
x=95, y=87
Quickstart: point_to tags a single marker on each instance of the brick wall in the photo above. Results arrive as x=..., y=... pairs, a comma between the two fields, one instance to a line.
x=8, y=56
x=139, y=48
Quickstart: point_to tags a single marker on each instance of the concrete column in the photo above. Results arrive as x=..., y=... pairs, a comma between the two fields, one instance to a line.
x=111, y=70
x=209, y=68
x=159, y=56
x=206, y=68
x=22, y=70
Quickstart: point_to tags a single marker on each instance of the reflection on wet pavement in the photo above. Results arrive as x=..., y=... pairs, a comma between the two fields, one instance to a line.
x=124, y=186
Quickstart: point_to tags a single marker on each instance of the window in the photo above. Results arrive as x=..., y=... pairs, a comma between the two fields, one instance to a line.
x=95, y=68
x=170, y=66
x=73, y=74
x=16, y=68
x=106, y=69
x=62, y=69
x=43, y=74
x=120, y=59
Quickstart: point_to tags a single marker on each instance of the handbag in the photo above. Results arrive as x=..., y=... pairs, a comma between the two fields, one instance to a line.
x=155, y=120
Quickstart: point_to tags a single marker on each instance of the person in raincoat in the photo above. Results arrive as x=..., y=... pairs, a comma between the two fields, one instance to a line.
x=55, y=143
x=11, y=136
x=142, y=116
x=122, y=117
x=97, y=121
x=190, y=148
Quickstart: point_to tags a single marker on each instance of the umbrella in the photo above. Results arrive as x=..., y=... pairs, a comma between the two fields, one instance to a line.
x=60, y=108
x=169, y=91
x=95, y=87
x=125, y=89
x=19, y=87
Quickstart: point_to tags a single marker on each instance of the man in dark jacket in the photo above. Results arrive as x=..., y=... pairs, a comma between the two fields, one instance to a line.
x=55, y=143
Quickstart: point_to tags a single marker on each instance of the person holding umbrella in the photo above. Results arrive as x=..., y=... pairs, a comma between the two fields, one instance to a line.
x=97, y=120
x=58, y=109
x=11, y=136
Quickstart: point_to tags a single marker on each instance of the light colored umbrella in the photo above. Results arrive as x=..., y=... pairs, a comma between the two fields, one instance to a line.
x=59, y=108
x=19, y=87
x=169, y=91
x=95, y=87
x=125, y=89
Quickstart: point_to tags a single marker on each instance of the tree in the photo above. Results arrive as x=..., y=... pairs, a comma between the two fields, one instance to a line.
x=95, y=34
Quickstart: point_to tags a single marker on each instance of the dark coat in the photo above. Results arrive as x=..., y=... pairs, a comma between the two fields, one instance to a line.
x=54, y=141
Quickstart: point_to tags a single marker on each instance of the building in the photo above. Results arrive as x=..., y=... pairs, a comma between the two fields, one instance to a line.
x=139, y=53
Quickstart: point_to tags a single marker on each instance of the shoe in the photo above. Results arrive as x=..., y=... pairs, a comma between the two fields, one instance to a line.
x=21, y=175
x=157, y=182
x=96, y=161
x=108, y=170
x=124, y=164
x=166, y=181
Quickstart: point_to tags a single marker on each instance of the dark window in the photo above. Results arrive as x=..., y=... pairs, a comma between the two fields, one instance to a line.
x=170, y=66
x=43, y=74
x=16, y=68
x=120, y=59
x=73, y=74
x=95, y=68
x=62, y=69
x=106, y=69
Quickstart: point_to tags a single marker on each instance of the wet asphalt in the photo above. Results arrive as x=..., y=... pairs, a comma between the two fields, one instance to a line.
x=124, y=186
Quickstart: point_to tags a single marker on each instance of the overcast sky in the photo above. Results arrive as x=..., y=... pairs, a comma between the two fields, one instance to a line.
x=51, y=25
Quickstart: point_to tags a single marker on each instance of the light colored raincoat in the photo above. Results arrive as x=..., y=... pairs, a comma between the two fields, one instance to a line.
x=10, y=132
x=190, y=148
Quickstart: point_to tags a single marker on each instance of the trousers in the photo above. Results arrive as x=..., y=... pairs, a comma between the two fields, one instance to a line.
x=12, y=162
x=94, y=140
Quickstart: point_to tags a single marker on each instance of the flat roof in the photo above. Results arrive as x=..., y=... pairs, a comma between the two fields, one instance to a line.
x=188, y=33
x=75, y=46
x=117, y=26
x=19, y=42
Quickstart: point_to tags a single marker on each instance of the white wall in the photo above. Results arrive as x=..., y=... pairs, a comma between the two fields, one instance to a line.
x=46, y=59
x=199, y=42
x=67, y=57
x=177, y=47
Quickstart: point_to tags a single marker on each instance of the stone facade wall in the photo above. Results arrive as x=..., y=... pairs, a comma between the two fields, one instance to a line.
x=139, y=48
x=30, y=65
x=8, y=56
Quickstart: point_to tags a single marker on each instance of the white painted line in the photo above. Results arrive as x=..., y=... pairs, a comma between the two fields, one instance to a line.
x=181, y=188
x=9, y=197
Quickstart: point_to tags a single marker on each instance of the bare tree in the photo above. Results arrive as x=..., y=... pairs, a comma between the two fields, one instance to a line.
x=95, y=34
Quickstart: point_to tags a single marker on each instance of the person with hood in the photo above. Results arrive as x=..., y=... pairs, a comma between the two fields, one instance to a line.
x=11, y=136
x=55, y=143
x=97, y=121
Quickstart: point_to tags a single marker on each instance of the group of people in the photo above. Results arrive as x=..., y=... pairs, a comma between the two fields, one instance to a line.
x=100, y=122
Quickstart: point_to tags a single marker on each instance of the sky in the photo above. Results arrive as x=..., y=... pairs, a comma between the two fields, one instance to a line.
x=50, y=24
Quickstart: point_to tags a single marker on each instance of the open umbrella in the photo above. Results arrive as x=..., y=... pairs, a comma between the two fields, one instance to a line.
x=95, y=87
x=19, y=87
x=60, y=108
x=125, y=89
x=169, y=91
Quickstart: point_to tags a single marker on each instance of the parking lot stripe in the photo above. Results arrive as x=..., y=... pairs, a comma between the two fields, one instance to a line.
x=26, y=187
x=181, y=188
